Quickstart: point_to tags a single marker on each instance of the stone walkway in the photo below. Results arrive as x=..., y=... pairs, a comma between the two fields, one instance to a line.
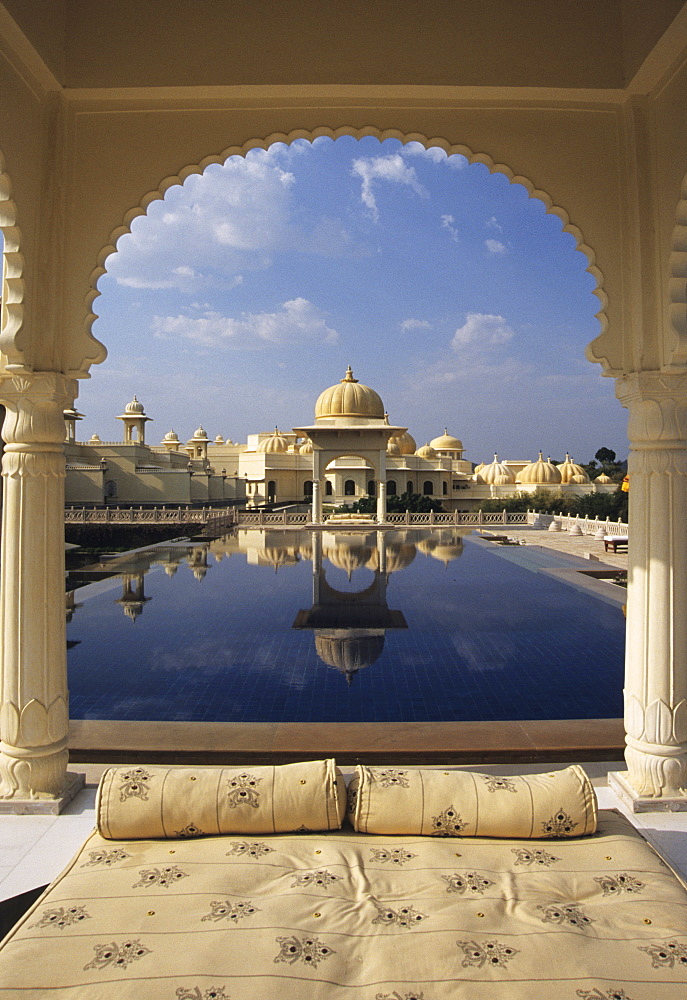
x=583, y=546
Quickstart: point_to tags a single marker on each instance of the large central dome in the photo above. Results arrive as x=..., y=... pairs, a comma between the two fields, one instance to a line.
x=349, y=398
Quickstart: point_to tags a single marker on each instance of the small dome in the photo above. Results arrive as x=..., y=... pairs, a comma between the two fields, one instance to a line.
x=219, y=439
x=426, y=451
x=571, y=472
x=393, y=448
x=134, y=407
x=540, y=472
x=171, y=436
x=446, y=442
x=478, y=468
x=496, y=474
x=274, y=444
x=94, y=439
x=349, y=398
x=406, y=442
x=200, y=435
x=603, y=479
x=306, y=448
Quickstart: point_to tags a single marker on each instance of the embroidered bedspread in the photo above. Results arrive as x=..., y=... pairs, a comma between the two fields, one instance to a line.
x=326, y=916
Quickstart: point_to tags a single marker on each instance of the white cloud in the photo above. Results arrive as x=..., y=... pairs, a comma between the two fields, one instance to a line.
x=384, y=168
x=493, y=223
x=447, y=222
x=297, y=322
x=415, y=324
x=495, y=246
x=482, y=330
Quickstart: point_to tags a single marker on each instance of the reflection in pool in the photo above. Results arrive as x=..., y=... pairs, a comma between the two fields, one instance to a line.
x=415, y=625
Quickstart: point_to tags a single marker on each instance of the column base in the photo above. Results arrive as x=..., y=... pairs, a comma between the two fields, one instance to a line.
x=618, y=781
x=74, y=782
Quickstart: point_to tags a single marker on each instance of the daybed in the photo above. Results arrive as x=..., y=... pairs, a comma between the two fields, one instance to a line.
x=574, y=906
x=615, y=542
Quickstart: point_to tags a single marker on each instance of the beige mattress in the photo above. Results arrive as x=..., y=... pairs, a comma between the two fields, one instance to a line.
x=341, y=914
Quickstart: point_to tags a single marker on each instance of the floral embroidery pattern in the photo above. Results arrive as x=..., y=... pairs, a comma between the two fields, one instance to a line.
x=214, y=993
x=469, y=882
x=529, y=858
x=223, y=909
x=400, y=996
x=486, y=953
x=395, y=856
x=611, y=885
x=105, y=857
x=448, y=823
x=596, y=994
x=499, y=784
x=390, y=777
x=666, y=953
x=570, y=914
x=244, y=791
x=189, y=831
x=117, y=955
x=405, y=916
x=253, y=849
x=310, y=950
x=560, y=825
x=321, y=878
x=134, y=784
x=163, y=877
x=62, y=916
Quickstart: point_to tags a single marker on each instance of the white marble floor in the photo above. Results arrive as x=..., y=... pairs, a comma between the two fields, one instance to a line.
x=35, y=849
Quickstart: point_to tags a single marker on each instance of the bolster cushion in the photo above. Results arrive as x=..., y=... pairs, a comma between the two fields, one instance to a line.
x=411, y=801
x=152, y=802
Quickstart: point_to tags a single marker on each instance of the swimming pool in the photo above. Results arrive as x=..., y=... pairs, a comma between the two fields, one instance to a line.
x=315, y=626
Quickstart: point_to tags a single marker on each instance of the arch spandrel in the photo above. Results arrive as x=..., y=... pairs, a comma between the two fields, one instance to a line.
x=606, y=349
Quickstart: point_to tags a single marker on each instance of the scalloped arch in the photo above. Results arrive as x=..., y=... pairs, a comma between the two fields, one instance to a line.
x=12, y=306
x=677, y=282
x=356, y=133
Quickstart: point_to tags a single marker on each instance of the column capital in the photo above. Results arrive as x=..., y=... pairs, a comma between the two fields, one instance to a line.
x=35, y=404
x=657, y=402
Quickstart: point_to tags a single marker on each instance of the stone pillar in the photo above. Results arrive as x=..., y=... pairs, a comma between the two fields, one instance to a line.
x=381, y=552
x=317, y=501
x=34, y=717
x=656, y=655
x=381, y=501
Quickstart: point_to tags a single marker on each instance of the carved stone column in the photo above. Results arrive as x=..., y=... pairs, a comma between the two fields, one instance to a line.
x=381, y=501
x=316, y=502
x=34, y=717
x=656, y=655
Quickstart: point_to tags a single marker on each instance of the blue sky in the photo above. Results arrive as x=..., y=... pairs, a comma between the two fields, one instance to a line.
x=248, y=290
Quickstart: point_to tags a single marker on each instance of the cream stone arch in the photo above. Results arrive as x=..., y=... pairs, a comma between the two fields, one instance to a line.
x=677, y=282
x=594, y=351
x=12, y=291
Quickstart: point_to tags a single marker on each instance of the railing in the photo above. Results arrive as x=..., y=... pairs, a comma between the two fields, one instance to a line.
x=229, y=516
x=587, y=525
x=154, y=515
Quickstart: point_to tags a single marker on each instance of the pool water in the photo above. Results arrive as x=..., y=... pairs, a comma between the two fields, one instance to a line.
x=379, y=627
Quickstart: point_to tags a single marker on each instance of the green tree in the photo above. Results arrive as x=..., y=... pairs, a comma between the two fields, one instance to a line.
x=416, y=503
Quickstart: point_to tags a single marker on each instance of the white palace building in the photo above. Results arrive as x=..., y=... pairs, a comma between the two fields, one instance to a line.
x=350, y=451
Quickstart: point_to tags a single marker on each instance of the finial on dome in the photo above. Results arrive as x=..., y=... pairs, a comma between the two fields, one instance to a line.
x=446, y=430
x=386, y=416
x=349, y=375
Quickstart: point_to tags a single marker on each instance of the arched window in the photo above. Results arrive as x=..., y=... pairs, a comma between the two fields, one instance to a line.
x=370, y=487
x=271, y=490
x=307, y=488
x=428, y=488
x=445, y=487
x=409, y=486
x=349, y=488
x=391, y=488
x=328, y=488
x=111, y=489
